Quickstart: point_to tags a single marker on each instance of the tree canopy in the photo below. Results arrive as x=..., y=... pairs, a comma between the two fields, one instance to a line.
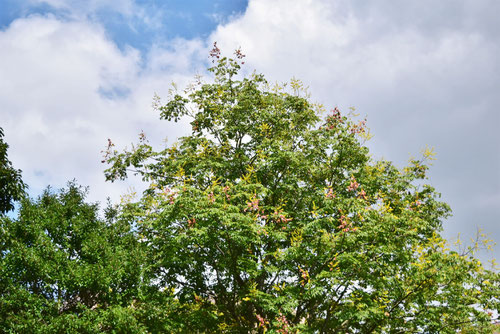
x=66, y=270
x=269, y=217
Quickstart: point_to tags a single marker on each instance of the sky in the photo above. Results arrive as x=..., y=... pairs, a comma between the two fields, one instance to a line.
x=424, y=73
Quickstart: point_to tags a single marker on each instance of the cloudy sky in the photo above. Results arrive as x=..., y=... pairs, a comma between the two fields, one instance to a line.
x=74, y=73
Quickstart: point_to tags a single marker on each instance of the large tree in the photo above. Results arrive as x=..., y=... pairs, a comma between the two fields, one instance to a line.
x=270, y=217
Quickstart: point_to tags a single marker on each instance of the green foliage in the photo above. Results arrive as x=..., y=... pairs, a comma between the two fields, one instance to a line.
x=64, y=269
x=269, y=218
x=11, y=186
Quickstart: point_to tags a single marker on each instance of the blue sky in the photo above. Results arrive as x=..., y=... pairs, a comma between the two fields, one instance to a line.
x=74, y=73
x=166, y=19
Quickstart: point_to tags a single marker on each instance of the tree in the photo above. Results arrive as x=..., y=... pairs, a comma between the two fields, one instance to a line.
x=65, y=270
x=11, y=185
x=269, y=218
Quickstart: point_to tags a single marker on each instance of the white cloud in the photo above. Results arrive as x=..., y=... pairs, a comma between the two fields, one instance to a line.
x=65, y=88
x=424, y=73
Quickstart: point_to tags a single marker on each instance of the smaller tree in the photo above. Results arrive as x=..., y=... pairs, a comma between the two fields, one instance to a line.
x=65, y=269
x=11, y=185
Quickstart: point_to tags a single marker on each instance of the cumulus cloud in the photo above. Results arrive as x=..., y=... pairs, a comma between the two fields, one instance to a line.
x=65, y=88
x=423, y=72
